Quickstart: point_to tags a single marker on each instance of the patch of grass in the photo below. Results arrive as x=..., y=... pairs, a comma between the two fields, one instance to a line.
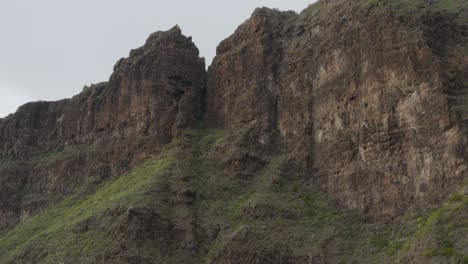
x=450, y=5
x=270, y=206
x=54, y=157
x=51, y=230
x=319, y=207
x=395, y=245
x=458, y=197
x=435, y=234
x=379, y=240
x=47, y=159
x=375, y=2
x=447, y=251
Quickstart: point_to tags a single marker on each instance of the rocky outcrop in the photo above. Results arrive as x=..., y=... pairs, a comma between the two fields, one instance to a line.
x=151, y=96
x=153, y=93
x=361, y=93
x=243, y=87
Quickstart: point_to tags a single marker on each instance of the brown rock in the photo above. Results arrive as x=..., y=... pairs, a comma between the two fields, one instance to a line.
x=151, y=96
x=369, y=97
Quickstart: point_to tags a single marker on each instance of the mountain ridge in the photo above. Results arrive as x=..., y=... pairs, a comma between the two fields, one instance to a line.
x=341, y=129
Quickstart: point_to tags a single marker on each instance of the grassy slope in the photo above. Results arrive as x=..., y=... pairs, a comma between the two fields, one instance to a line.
x=276, y=213
x=52, y=231
x=440, y=234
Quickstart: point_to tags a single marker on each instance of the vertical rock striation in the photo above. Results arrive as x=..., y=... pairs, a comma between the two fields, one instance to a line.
x=369, y=97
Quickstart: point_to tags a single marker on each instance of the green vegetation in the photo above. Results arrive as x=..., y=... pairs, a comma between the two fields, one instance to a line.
x=211, y=176
x=51, y=232
x=442, y=232
x=48, y=159
x=268, y=204
x=450, y=5
x=376, y=2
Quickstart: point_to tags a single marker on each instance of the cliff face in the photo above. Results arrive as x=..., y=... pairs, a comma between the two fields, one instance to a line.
x=371, y=99
x=365, y=101
x=49, y=148
x=152, y=93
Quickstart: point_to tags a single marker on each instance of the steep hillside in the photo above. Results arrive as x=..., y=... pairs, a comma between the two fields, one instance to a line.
x=199, y=201
x=337, y=135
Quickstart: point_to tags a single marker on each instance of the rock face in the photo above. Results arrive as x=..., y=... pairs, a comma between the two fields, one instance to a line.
x=365, y=101
x=151, y=96
x=369, y=98
x=153, y=93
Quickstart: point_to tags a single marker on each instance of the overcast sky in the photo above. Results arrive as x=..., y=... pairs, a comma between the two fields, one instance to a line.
x=50, y=49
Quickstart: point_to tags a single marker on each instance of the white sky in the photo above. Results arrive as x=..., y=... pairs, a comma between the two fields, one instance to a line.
x=50, y=49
